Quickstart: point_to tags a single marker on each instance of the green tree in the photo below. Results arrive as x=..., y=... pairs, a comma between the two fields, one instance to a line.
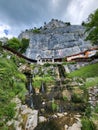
x=14, y=43
x=18, y=45
x=25, y=44
x=92, y=27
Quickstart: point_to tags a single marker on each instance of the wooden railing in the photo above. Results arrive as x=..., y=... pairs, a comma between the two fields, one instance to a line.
x=19, y=54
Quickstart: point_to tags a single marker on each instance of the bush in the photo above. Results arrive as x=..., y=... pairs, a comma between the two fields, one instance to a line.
x=36, y=31
x=87, y=124
x=14, y=43
x=88, y=111
x=25, y=44
x=96, y=108
x=54, y=106
x=65, y=98
x=47, y=65
x=77, y=98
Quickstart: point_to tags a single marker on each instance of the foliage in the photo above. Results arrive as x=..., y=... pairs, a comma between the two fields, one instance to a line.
x=87, y=124
x=18, y=45
x=12, y=83
x=65, y=98
x=25, y=44
x=54, y=106
x=77, y=98
x=92, y=27
x=68, y=63
x=85, y=72
x=47, y=65
x=14, y=43
x=91, y=82
x=96, y=108
x=36, y=31
x=37, y=81
x=88, y=111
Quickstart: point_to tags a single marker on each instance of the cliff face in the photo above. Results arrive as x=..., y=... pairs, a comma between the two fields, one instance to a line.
x=56, y=39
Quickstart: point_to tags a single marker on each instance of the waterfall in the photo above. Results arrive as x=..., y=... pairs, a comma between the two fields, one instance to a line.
x=30, y=90
x=31, y=102
x=30, y=87
x=61, y=71
x=42, y=88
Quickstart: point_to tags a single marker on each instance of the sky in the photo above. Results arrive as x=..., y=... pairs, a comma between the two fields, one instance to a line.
x=18, y=15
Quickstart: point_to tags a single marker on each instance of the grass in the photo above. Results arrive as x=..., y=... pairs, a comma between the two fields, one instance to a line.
x=91, y=82
x=86, y=72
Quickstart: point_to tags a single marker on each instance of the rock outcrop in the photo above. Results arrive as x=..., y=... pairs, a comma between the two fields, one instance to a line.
x=25, y=118
x=55, y=40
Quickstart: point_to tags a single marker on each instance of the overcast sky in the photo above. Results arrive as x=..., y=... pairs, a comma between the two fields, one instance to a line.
x=18, y=15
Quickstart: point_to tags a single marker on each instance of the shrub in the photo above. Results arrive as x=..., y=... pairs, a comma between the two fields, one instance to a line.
x=36, y=31
x=88, y=111
x=96, y=108
x=25, y=44
x=14, y=43
x=54, y=106
x=87, y=124
x=47, y=64
x=77, y=98
x=65, y=98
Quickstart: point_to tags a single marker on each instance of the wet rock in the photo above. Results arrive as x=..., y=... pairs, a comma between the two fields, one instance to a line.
x=32, y=120
x=75, y=126
x=65, y=113
x=78, y=116
x=60, y=114
x=54, y=116
x=27, y=111
x=25, y=117
x=23, y=107
x=42, y=119
x=17, y=125
x=66, y=127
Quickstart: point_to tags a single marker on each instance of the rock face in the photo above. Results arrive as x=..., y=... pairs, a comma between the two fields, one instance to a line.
x=25, y=118
x=56, y=39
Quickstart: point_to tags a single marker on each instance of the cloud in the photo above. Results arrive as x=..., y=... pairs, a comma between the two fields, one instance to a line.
x=24, y=14
x=5, y=31
x=79, y=11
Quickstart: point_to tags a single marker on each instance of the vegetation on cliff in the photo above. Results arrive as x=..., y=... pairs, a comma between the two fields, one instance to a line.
x=12, y=83
x=18, y=45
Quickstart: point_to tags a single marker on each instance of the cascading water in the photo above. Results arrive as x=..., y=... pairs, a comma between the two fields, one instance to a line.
x=30, y=86
x=31, y=92
x=29, y=99
x=31, y=102
x=42, y=88
x=61, y=71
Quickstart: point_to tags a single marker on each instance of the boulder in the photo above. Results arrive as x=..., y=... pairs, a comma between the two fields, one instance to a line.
x=75, y=126
x=42, y=119
x=32, y=120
